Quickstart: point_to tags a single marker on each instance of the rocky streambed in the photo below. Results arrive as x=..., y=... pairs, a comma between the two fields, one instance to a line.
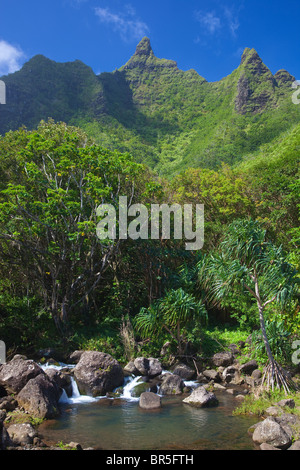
x=36, y=392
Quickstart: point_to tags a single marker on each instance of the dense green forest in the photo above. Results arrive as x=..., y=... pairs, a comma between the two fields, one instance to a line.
x=156, y=135
x=61, y=286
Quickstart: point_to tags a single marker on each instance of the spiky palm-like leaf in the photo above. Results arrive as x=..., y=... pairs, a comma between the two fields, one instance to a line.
x=171, y=313
x=247, y=258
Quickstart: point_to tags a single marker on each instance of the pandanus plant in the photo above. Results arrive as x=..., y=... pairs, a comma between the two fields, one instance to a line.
x=171, y=313
x=248, y=259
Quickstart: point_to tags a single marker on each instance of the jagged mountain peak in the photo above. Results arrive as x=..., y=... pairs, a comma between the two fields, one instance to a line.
x=145, y=57
x=144, y=48
x=250, y=55
x=166, y=117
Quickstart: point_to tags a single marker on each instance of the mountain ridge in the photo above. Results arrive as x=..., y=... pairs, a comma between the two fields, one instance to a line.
x=166, y=117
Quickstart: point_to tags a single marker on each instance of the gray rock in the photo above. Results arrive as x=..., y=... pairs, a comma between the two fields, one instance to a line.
x=271, y=432
x=62, y=379
x=218, y=386
x=75, y=356
x=256, y=374
x=248, y=367
x=272, y=411
x=184, y=371
x=288, y=402
x=212, y=375
x=15, y=374
x=223, y=359
x=265, y=446
x=201, y=398
x=21, y=434
x=98, y=373
x=142, y=365
x=131, y=369
x=230, y=391
x=240, y=397
x=150, y=401
x=8, y=403
x=155, y=367
x=171, y=385
x=40, y=397
x=232, y=375
x=149, y=367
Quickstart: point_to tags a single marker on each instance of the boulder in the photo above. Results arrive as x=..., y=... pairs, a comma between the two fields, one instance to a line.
x=155, y=367
x=222, y=359
x=171, y=385
x=273, y=411
x=139, y=388
x=61, y=379
x=218, y=386
x=142, y=365
x=200, y=398
x=212, y=375
x=131, y=369
x=248, y=367
x=15, y=374
x=97, y=373
x=21, y=434
x=273, y=433
x=232, y=375
x=75, y=356
x=184, y=371
x=265, y=446
x=256, y=375
x=150, y=401
x=40, y=397
x=287, y=402
x=148, y=367
x=8, y=403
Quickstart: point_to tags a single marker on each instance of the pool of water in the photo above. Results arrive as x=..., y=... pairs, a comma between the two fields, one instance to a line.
x=120, y=424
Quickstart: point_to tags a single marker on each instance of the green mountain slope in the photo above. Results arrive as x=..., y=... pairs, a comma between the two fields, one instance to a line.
x=167, y=118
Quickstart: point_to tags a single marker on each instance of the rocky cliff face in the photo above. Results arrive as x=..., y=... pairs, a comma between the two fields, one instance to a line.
x=164, y=116
x=257, y=88
x=145, y=58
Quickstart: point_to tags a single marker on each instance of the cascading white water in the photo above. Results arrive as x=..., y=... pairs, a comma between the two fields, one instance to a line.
x=130, y=383
x=77, y=398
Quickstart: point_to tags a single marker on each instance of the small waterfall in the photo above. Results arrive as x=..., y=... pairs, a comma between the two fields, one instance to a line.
x=75, y=397
x=128, y=387
x=64, y=397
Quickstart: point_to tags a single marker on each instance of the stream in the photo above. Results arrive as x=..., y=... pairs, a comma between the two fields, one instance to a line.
x=120, y=424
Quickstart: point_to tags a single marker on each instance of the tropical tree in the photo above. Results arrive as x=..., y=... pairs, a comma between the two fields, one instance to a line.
x=171, y=313
x=247, y=259
x=53, y=181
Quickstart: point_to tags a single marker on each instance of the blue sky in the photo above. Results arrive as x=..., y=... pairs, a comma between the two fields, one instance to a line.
x=208, y=36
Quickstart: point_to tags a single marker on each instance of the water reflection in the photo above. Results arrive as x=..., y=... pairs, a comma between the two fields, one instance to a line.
x=119, y=424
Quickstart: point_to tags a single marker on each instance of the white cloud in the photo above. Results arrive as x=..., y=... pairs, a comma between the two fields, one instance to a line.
x=210, y=22
x=128, y=25
x=227, y=19
x=10, y=58
x=232, y=20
